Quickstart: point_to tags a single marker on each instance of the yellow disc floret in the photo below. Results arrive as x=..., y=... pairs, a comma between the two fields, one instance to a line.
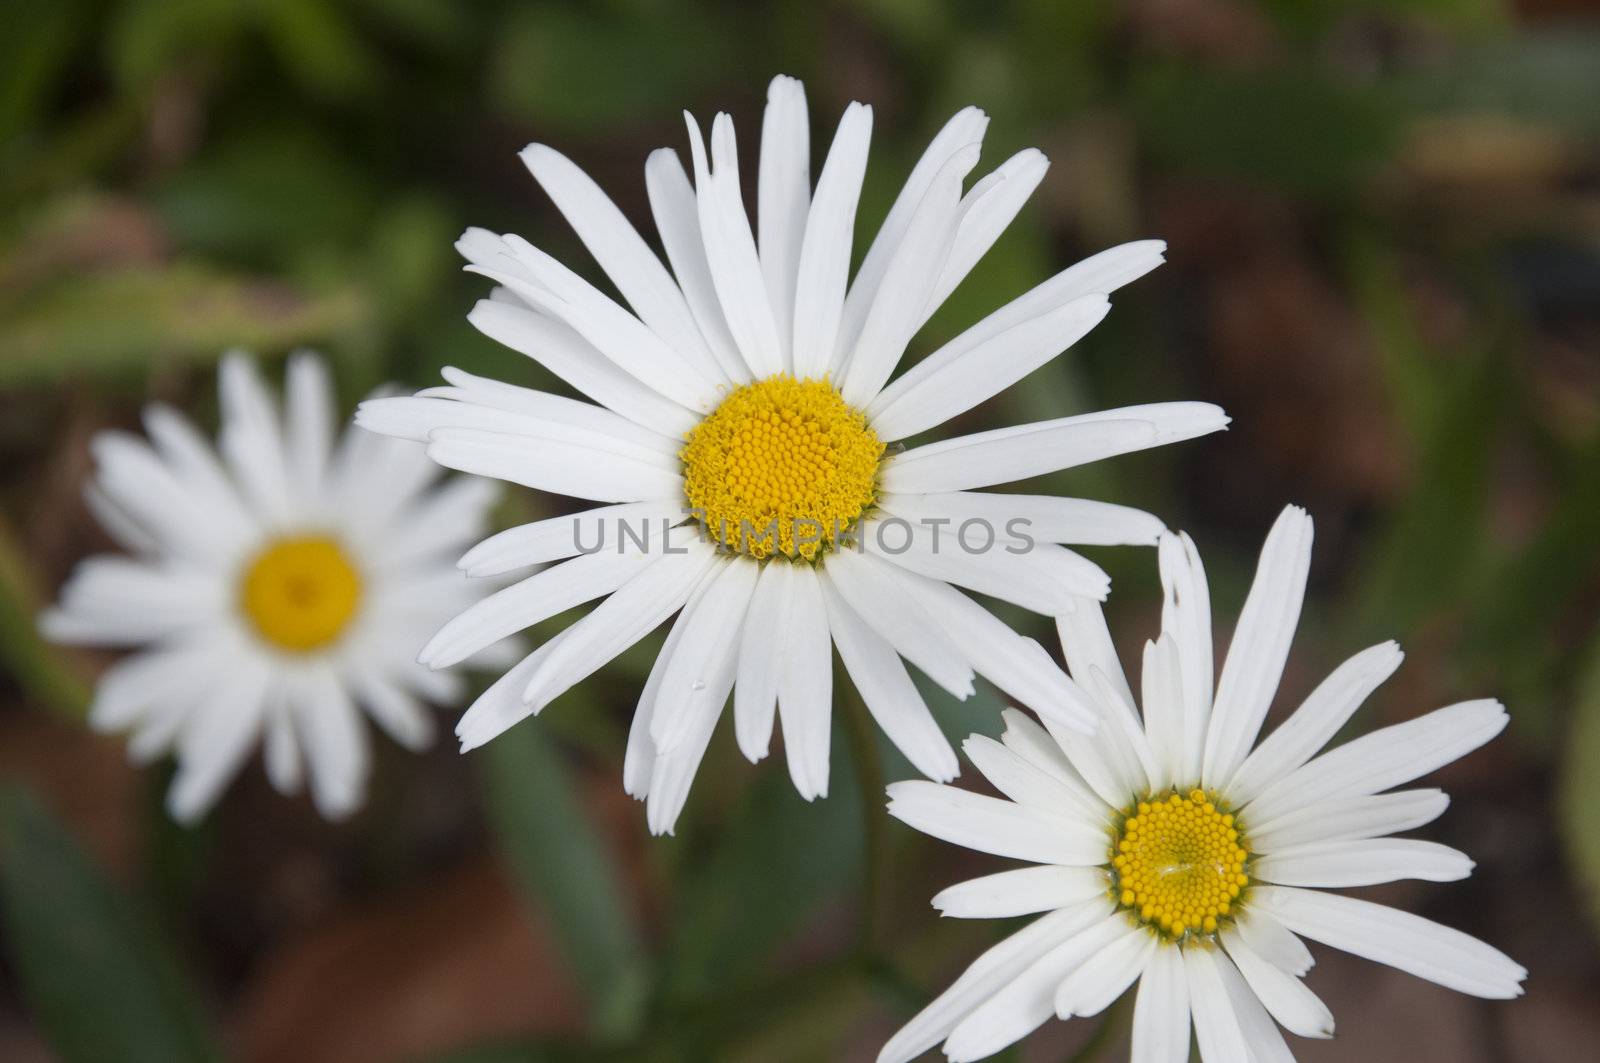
x=782, y=466
x=1179, y=863
x=300, y=594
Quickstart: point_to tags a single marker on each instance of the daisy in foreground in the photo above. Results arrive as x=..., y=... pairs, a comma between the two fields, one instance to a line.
x=748, y=394
x=271, y=592
x=1174, y=855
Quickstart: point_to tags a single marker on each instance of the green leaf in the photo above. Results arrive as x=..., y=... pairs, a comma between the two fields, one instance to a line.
x=119, y=322
x=1580, y=787
x=555, y=851
x=103, y=985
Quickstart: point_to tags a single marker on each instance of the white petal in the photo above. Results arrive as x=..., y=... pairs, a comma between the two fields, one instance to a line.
x=1315, y=722
x=1161, y=1011
x=574, y=359
x=530, y=601
x=987, y=974
x=563, y=468
x=731, y=249
x=1086, y=644
x=195, y=466
x=1366, y=862
x=593, y=531
x=496, y=394
x=285, y=766
x=501, y=706
x=1016, y=453
x=1030, y=519
x=876, y=591
x=336, y=745
x=437, y=526
x=886, y=688
x=1273, y=942
x=1283, y=994
x=1384, y=758
x=627, y=615
x=251, y=439
x=965, y=127
x=677, y=214
x=988, y=207
x=143, y=488
x=111, y=600
x=308, y=421
x=639, y=761
x=805, y=686
x=1162, y=687
x=1045, y=579
x=1366, y=816
x=1260, y=1032
x=1399, y=939
x=921, y=398
x=401, y=715
x=1216, y=1025
x=762, y=646
x=901, y=303
x=615, y=333
x=673, y=770
x=1024, y=782
x=1028, y=740
x=1260, y=646
x=1107, y=974
x=1186, y=617
x=1024, y=891
x=712, y=633
x=1018, y=1008
x=621, y=252
x=1017, y=665
x=217, y=738
x=991, y=825
x=783, y=198
x=825, y=252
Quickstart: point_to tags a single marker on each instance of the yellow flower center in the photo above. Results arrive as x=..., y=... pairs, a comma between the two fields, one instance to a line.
x=300, y=593
x=782, y=466
x=1180, y=863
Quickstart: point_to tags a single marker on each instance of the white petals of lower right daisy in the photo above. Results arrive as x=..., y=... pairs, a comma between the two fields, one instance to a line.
x=1200, y=886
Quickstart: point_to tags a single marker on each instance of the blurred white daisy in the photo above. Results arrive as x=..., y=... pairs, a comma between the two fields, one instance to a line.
x=272, y=592
x=750, y=387
x=1174, y=855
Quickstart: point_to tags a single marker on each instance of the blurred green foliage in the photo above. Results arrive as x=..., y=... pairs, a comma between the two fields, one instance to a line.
x=1406, y=189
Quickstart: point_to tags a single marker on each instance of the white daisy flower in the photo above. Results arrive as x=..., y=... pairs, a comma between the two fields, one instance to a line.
x=749, y=389
x=270, y=593
x=1174, y=855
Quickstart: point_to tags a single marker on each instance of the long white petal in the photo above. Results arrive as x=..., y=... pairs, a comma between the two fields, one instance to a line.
x=825, y=252
x=921, y=399
x=570, y=356
x=1107, y=974
x=783, y=199
x=900, y=305
x=1161, y=1011
x=1026, y=783
x=251, y=439
x=805, y=687
x=1260, y=1032
x=594, y=531
x=712, y=633
x=337, y=746
x=1033, y=743
x=400, y=713
x=1024, y=891
x=308, y=421
x=876, y=591
x=1315, y=722
x=1216, y=1024
x=991, y=825
x=677, y=215
x=1366, y=816
x=762, y=646
x=621, y=252
x=1384, y=758
x=983, y=977
x=986, y=210
x=1283, y=994
x=1365, y=862
x=1186, y=617
x=564, y=468
x=1162, y=687
x=965, y=127
x=218, y=737
x=1260, y=646
x=1028, y=519
x=1274, y=942
x=1045, y=579
x=731, y=248
x=501, y=706
x=1399, y=939
x=888, y=691
x=1016, y=453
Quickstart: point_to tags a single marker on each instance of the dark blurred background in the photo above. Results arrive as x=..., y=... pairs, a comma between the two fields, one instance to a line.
x=1384, y=221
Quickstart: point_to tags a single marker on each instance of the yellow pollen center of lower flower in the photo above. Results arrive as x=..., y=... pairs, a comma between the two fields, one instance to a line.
x=782, y=466
x=1179, y=863
x=299, y=594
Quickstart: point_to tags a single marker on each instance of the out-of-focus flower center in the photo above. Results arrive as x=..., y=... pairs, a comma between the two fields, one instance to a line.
x=782, y=466
x=300, y=594
x=1179, y=863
